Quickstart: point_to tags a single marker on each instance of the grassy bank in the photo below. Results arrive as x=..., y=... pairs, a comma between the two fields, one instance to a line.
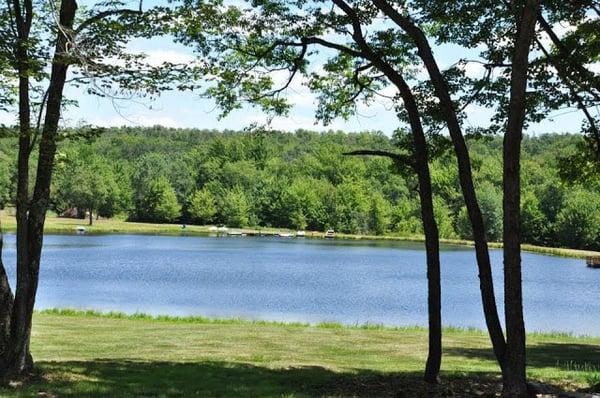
x=68, y=226
x=85, y=354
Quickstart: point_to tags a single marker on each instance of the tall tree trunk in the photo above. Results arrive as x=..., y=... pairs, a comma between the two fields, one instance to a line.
x=11, y=364
x=514, y=374
x=91, y=217
x=432, y=243
x=421, y=167
x=432, y=248
x=486, y=281
x=29, y=243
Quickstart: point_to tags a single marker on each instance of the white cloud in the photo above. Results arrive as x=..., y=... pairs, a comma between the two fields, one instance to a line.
x=297, y=93
x=158, y=56
x=137, y=120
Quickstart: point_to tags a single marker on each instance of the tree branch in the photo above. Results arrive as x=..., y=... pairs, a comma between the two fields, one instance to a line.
x=105, y=14
x=585, y=74
x=397, y=157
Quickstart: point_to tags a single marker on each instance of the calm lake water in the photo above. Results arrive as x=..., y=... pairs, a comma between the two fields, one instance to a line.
x=299, y=280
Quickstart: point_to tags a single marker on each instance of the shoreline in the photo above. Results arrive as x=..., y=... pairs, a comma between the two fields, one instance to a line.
x=240, y=321
x=56, y=225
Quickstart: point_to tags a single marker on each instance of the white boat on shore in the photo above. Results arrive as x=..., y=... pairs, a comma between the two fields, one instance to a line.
x=330, y=234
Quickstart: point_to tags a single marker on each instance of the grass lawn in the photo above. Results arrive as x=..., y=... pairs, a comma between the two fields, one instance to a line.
x=104, y=356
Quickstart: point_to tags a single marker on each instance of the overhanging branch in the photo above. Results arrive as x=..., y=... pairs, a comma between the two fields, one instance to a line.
x=105, y=14
x=397, y=157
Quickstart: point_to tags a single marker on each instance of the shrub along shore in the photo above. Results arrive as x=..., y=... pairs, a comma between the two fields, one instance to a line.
x=56, y=225
x=96, y=355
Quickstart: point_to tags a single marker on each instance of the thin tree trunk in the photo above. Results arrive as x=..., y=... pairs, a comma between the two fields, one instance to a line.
x=432, y=244
x=514, y=374
x=91, y=218
x=421, y=167
x=486, y=281
x=11, y=363
x=19, y=360
x=432, y=248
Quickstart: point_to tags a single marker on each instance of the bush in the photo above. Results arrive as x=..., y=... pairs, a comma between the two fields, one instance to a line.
x=578, y=222
x=202, y=207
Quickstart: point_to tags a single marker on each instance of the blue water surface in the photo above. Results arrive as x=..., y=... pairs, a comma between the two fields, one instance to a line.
x=305, y=280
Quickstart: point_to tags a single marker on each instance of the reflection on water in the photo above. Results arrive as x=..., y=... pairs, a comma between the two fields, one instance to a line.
x=299, y=280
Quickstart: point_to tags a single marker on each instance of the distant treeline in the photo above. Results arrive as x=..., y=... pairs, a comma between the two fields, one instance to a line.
x=303, y=180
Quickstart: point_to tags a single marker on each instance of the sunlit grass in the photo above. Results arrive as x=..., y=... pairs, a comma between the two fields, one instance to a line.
x=114, y=354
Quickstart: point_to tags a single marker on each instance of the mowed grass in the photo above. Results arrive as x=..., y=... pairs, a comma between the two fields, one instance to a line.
x=103, y=226
x=86, y=354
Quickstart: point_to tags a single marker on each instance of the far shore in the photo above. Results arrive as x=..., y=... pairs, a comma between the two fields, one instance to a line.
x=59, y=225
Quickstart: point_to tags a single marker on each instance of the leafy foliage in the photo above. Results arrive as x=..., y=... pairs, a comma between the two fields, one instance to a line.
x=304, y=181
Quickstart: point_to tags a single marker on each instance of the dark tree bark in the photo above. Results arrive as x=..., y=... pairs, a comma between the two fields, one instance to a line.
x=6, y=300
x=514, y=372
x=465, y=176
x=22, y=19
x=421, y=167
x=91, y=218
x=432, y=248
x=31, y=214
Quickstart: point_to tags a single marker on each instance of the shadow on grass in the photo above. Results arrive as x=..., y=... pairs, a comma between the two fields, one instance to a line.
x=103, y=378
x=562, y=356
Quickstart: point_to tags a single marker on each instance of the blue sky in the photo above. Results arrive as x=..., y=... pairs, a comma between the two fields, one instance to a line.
x=188, y=109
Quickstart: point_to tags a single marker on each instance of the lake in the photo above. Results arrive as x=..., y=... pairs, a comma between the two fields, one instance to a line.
x=307, y=280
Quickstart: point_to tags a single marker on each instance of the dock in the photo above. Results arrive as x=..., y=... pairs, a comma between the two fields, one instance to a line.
x=593, y=261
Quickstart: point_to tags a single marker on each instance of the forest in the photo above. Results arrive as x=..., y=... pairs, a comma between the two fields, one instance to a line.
x=305, y=180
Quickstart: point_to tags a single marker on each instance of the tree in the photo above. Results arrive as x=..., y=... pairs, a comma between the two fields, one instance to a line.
x=40, y=44
x=234, y=208
x=578, y=222
x=160, y=201
x=281, y=39
x=490, y=202
x=202, y=206
x=534, y=228
x=354, y=59
x=86, y=182
x=379, y=214
x=514, y=367
x=6, y=183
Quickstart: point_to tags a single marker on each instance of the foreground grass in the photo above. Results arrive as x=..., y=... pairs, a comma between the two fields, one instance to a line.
x=87, y=354
x=69, y=225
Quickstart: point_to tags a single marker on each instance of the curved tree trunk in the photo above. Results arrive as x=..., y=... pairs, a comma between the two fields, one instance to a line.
x=432, y=243
x=486, y=281
x=421, y=167
x=432, y=248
